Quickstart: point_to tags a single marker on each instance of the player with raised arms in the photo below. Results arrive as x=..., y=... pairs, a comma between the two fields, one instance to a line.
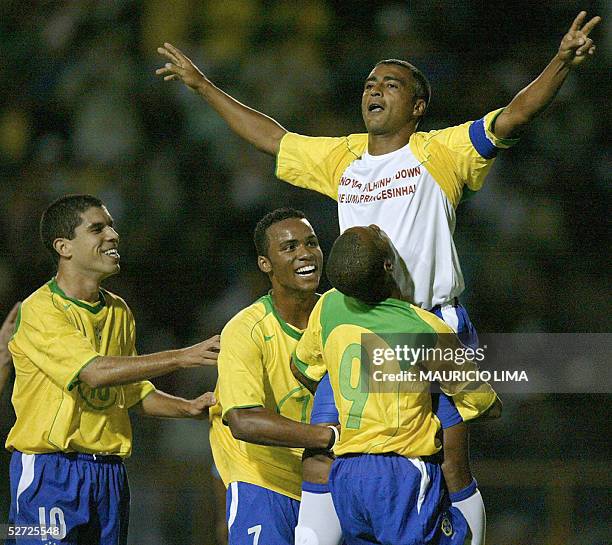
x=406, y=181
x=76, y=376
x=386, y=484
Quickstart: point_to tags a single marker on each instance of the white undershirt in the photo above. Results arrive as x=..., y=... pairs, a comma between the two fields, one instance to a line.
x=397, y=193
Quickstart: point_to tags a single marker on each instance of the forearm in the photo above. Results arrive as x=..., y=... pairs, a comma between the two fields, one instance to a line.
x=264, y=427
x=114, y=371
x=253, y=126
x=532, y=100
x=456, y=464
x=163, y=405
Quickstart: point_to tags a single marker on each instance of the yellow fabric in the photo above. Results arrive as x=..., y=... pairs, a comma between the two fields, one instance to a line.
x=254, y=370
x=318, y=163
x=55, y=338
x=470, y=399
x=377, y=418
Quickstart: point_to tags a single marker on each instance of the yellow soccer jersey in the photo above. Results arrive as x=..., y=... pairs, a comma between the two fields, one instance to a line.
x=387, y=419
x=455, y=156
x=254, y=371
x=55, y=337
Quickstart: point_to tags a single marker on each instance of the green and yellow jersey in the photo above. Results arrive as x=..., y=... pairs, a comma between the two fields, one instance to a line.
x=254, y=371
x=55, y=337
x=377, y=419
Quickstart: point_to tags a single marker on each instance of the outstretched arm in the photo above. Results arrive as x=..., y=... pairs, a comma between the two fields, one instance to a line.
x=115, y=370
x=575, y=48
x=253, y=126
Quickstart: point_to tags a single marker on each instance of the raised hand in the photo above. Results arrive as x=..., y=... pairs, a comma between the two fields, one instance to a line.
x=576, y=46
x=180, y=67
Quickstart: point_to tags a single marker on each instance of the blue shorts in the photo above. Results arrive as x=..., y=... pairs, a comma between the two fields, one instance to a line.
x=387, y=499
x=86, y=498
x=258, y=516
x=324, y=408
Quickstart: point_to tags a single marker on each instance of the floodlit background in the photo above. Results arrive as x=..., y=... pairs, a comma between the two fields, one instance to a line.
x=82, y=111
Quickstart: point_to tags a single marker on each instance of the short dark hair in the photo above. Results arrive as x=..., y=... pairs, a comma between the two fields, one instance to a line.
x=62, y=217
x=355, y=267
x=422, y=87
x=260, y=236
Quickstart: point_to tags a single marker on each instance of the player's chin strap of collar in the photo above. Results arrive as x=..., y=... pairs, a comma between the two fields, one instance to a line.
x=335, y=437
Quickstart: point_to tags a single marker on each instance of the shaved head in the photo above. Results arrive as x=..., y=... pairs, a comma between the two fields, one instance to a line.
x=356, y=266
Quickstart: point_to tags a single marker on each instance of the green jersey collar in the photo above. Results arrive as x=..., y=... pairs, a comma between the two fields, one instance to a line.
x=94, y=309
x=288, y=329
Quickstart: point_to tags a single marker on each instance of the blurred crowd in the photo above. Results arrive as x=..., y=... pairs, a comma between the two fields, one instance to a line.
x=82, y=111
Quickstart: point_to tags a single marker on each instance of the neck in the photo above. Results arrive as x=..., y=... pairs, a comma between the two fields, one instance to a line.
x=294, y=307
x=396, y=293
x=379, y=144
x=78, y=286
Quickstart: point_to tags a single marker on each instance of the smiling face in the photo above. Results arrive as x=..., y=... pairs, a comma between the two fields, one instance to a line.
x=294, y=259
x=388, y=103
x=93, y=250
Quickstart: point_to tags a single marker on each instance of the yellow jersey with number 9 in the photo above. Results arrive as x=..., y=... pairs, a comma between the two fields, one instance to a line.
x=376, y=418
x=254, y=371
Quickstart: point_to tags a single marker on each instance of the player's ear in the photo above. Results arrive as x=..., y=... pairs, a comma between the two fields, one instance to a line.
x=63, y=247
x=264, y=264
x=419, y=107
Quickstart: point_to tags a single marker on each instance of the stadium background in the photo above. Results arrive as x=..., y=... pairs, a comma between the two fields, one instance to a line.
x=82, y=111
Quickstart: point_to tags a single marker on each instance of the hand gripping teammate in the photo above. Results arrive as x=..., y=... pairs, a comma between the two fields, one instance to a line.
x=76, y=376
x=406, y=181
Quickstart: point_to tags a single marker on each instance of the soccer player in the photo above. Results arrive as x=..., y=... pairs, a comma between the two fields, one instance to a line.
x=387, y=488
x=406, y=181
x=259, y=452
x=6, y=331
x=76, y=376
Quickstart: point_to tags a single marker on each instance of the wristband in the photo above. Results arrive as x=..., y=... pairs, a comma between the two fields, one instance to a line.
x=334, y=438
x=464, y=493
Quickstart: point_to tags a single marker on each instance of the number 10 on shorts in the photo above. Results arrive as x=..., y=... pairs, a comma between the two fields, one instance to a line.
x=57, y=523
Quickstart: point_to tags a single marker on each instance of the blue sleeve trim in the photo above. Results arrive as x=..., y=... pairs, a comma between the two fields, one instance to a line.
x=444, y=408
x=324, y=407
x=325, y=418
x=479, y=139
x=464, y=494
x=315, y=488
